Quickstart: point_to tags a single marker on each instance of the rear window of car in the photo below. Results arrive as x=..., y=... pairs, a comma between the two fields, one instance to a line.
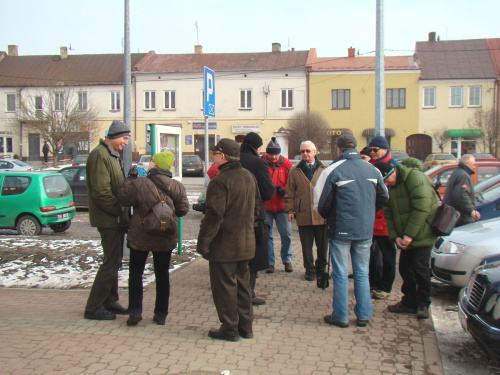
x=145, y=159
x=56, y=186
x=484, y=156
x=445, y=157
x=15, y=185
x=486, y=171
x=195, y=159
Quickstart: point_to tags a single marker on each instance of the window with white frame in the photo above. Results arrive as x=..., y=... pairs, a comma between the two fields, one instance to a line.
x=455, y=96
x=115, y=100
x=341, y=99
x=149, y=100
x=395, y=98
x=59, y=101
x=286, y=98
x=82, y=101
x=245, y=99
x=38, y=103
x=474, y=96
x=169, y=100
x=11, y=102
x=429, y=97
x=5, y=145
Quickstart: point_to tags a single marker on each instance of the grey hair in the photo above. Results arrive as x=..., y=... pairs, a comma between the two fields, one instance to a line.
x=466, y=158
x=313, y=145
x=231, y=159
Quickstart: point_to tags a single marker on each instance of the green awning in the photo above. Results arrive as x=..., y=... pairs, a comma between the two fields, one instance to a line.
x=464, y=133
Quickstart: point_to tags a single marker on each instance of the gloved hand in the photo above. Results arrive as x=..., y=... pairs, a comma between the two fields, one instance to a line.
x=133, y=173
x=280, y=191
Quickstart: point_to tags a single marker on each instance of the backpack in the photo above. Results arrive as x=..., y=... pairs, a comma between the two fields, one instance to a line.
x=160, y=219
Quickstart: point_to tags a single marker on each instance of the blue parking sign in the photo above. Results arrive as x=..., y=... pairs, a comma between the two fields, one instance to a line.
x=209, y=98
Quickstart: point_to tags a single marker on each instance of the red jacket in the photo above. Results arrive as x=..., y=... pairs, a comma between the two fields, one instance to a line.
x=279, y=172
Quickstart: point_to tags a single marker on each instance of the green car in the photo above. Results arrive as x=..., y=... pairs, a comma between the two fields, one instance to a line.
x=32, y=200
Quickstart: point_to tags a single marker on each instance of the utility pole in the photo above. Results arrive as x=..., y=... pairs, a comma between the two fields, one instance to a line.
x=379, y=72
x=127, y=78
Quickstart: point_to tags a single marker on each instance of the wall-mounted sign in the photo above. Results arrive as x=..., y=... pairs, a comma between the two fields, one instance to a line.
x=244, y=129
x=188, y=140
x=201, y=125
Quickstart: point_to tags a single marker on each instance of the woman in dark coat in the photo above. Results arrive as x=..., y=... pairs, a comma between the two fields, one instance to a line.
x=142, y=194
x=250, y=160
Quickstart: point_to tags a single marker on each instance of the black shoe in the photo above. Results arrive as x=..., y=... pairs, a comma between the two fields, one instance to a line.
x=160, y=320
x=99, y=315
x=258, y=301
x=310, y=276
x=288, y=267
x=423, y=312
x=134, y=319
x=216, y=335
x=270, y=269
x=328, y=319
x=117, y=309
x=246, y=335
x=400, y=307
x=362, y=323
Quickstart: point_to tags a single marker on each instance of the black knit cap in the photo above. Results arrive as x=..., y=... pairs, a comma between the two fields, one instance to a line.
x=365, y=151
x=253, y=139
x=273, y=147
x=386, y=169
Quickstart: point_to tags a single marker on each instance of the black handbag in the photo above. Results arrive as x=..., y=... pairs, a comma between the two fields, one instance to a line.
x=261, y=231
x=445, y=219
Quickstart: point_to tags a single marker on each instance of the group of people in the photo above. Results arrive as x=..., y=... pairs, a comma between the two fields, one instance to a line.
x=362, y=206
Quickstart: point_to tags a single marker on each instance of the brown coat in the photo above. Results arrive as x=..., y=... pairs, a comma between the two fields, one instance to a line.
x=232, y=205
x=299, y=196
x=142, y=195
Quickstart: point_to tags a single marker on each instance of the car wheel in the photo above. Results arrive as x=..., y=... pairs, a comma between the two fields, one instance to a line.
x=29, y=226
x=60, y=227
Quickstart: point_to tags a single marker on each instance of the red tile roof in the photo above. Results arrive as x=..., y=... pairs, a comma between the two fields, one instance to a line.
x=494, y=49
x=27, y=71
x=362, y=63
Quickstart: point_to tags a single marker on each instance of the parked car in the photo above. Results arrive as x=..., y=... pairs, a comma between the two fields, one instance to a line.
x=436, y=159
x=487, y=184
x=454, y=258
x=399, y=155
x=80, y=159
x=77, y=180
x=441, y=173
x=32, y=200
x=479, y=307
x=192, y=165
x=7, y=165
x=143, y=164
x=488, y=203
x=484, y=157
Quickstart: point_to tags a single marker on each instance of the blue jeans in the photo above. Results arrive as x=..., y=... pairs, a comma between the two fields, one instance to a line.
x=285, y=231
x=360, y=256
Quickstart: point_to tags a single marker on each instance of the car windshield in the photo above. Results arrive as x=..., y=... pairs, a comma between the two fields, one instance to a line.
x=195, y=159
x=145, y=159
x=19, y=163
x=490, y=195
x=56, y=186
x=482, y=186
x=445, y=157
x=81, y=157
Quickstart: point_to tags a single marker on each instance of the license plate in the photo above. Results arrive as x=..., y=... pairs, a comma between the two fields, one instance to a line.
x=62, y=216
x=190, y=169
x=462, y=317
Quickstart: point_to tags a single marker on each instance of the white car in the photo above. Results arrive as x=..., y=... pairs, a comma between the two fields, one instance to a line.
x=454, y=257
x=9, y=165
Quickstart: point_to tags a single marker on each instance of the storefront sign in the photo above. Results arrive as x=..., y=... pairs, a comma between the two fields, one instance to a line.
x=244, y=129
x=201, y=125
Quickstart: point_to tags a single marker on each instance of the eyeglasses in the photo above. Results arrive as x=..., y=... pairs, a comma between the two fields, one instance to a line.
x=308, y=151
x=375, y=149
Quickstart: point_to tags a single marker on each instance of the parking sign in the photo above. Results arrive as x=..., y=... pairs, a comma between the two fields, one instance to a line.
x=209, y=98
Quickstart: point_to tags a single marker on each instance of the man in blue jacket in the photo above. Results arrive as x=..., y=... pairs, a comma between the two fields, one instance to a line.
x=347, y=195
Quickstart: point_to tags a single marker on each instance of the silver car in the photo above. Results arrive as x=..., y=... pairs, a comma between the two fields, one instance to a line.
x=454, y=258
x=9, y=165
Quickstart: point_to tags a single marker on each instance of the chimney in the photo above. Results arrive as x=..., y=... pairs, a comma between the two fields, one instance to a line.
x=198, y=50
x=432, y=36
x=13, y=50
x=276, y=47
x=64, y=53
x=351, y=52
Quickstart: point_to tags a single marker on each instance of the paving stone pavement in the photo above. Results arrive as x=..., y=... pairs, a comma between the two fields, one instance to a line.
x=44, y=332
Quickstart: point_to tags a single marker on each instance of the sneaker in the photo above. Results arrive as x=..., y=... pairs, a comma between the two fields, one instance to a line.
x=270, y=269
x=401, y=308
x=310, y=276
x=380, y=294
x=362, y=322
x=288, y=267
x=258, y=301
x=328, y=319
x=423, y=312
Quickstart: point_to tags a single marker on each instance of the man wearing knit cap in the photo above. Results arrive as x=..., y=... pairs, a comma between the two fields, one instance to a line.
x=250, y=160
x=105, y=176
x=279, y=169
x=379, y=150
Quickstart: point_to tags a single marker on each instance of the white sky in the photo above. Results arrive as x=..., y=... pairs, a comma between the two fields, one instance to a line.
x=40, y=27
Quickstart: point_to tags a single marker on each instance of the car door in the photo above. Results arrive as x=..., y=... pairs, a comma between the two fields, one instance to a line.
x=79, y=188
x=14, y=200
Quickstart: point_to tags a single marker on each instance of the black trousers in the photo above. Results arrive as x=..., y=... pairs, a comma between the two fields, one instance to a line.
x=382, y=263
x=104, y=291
x=308, y=235
x=161, y=262
x=232, y=295
x=415, y=271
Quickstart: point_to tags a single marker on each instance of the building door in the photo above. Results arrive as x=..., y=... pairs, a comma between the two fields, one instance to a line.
x=199, y=144
x=419, y=146
x=34, y=147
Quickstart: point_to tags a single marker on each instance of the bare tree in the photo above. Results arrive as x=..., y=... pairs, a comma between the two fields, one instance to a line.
x=440, y=137
x=484, y=120
x=59, y=113
x=310, y=126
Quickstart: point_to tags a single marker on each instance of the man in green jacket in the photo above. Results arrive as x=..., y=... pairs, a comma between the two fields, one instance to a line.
x=412, y=206
x=105, y=176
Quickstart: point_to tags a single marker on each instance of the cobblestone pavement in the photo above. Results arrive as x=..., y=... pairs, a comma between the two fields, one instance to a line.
x=44, y=332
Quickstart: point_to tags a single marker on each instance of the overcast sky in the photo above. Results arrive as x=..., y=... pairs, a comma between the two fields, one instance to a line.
x=40, y=27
